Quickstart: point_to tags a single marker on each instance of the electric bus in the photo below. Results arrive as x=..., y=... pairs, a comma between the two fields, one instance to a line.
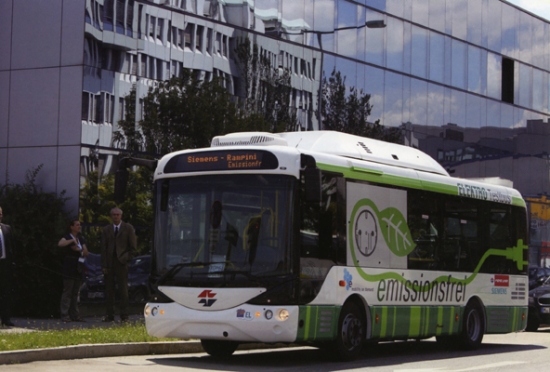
x=331, y=240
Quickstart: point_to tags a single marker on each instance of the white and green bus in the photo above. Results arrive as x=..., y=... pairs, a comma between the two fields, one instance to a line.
x=331, y=240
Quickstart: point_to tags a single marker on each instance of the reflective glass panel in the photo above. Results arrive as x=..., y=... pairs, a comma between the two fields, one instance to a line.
x=393, y=100
x=474, y=21
x=540, y=94
x=458, y=108
x=437, y=56
x=540, y=44
x=525, y=37
x=346, y=29
x=494, y=76
x=509, y=31
x=474, y=69
x=473, y=111
x=525, y=72
x=437, y=15
x=459, y=11
x=435, y=105
x=419, y=102
x=458, y=77
x=492, y=25
x=375, y=40
x=419, y=51
x=394, y=7
x=420, y=11
x=394, y=44
x=375, y=87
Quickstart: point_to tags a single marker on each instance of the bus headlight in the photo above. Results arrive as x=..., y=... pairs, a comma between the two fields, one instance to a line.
x=283, y=315
x=147, y=311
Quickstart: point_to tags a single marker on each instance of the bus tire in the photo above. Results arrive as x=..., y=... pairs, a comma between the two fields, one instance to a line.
x=351, y=333
x=219, y=348
x=473, y=327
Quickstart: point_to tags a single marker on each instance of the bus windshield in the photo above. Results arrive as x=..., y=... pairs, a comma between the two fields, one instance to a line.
x=225, y=230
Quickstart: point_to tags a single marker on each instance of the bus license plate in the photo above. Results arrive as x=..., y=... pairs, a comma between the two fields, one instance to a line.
x=545, y=310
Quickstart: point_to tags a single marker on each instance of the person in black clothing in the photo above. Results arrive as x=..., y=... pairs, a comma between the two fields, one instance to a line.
x=75, y=254
x=6, y=272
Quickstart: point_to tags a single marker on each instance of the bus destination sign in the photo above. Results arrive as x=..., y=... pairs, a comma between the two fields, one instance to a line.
x=222, y=160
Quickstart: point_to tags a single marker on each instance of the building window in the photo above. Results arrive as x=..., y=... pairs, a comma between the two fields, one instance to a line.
x=121, y=109
x=85, y=105
x=198, y=38
x=160, y=29
x=120, y=16
x=108, y=13
x=152, y=22
x=130, y=18
x=507, y=80
x=209, y=41
x=189, y=35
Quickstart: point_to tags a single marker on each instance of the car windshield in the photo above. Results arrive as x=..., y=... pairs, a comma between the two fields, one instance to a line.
x=223, y=228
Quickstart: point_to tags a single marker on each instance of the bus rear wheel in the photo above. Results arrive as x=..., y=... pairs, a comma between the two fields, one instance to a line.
x=351, y=333
x=219, y=348
x=473, y=327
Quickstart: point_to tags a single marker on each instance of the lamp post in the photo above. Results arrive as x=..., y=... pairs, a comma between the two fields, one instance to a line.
x=369, y=24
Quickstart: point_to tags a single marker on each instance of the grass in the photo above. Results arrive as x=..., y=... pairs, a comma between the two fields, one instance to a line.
x=131, y=332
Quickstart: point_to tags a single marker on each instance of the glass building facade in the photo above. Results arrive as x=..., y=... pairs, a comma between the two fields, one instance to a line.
x=468, y=82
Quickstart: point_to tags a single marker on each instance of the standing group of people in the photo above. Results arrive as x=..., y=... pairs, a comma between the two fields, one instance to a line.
x=118, y=245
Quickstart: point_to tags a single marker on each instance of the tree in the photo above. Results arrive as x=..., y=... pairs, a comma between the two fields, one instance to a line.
x=38, y=220
x=347, y=111
x=180, y=113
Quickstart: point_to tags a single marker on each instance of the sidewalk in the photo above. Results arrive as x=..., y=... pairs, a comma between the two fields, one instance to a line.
x=23, y=325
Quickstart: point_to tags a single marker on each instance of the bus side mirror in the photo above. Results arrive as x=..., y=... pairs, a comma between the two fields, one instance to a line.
x=312, y=183
x=121, y=183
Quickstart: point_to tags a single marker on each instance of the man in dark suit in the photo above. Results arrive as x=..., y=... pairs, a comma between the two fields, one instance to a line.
x=6, y=272
x=118, y=245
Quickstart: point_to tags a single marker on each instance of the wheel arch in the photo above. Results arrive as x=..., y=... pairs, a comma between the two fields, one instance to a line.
x=363, y=306
x=477, y=302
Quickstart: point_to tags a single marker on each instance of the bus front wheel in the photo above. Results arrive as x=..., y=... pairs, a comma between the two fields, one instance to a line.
x=351, y=332
x=219, y=348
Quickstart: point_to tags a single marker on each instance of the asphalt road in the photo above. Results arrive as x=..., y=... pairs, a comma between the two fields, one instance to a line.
x=526, y=352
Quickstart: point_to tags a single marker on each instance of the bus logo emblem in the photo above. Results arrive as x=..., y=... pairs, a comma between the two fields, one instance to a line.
x=207, y=298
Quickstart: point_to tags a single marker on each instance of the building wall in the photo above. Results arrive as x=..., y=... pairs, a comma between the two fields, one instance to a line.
x=40, y=88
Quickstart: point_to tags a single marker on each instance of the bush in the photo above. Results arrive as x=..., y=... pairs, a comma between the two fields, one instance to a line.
x=38, y=221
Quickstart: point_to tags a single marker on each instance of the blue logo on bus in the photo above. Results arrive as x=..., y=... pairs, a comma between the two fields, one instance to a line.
x=348, y=279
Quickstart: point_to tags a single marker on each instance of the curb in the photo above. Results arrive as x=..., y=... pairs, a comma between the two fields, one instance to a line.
x=112, y=350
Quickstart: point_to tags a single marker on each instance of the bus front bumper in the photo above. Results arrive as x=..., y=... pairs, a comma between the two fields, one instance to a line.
x=245, y=323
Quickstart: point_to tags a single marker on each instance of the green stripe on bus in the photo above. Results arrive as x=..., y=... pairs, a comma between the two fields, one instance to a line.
x=414, y=321
x=376, y=176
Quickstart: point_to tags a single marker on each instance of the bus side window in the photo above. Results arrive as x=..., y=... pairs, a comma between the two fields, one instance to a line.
x=422, y=221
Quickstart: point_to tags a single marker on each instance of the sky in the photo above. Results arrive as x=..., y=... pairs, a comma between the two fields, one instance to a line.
x=538, y=7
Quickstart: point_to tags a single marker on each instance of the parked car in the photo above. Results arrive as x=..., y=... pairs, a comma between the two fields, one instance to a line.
x=93, y=288
x=539, y=306
x=537, y=276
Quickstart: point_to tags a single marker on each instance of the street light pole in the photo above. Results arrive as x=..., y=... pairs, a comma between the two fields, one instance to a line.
x=379, y=23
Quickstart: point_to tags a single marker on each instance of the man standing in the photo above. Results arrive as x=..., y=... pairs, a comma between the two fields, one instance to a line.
x=6, y=272
x=118, y=244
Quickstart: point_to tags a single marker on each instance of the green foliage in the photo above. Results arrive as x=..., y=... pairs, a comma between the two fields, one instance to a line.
x=97, y=200
x=348, y=111
x=105, y=335
x=38, y=221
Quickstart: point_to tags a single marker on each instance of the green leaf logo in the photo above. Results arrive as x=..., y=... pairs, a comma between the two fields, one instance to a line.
x=396, y=231
x=393, y=226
